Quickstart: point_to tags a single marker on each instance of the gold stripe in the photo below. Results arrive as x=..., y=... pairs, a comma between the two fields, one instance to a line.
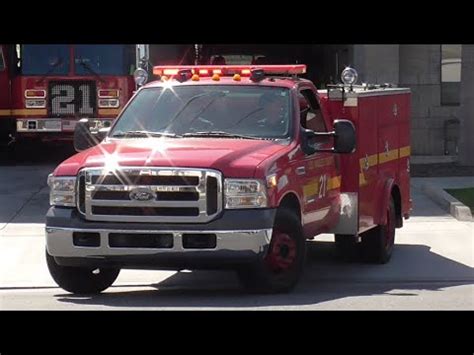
x=30, y=111
x=383, y=158
x=109, y=111
x=388, y=156
x=372, y=160
x=405, y=151
x=42, y=111
x=362, y=180
x=310, y=189
x=334, y=182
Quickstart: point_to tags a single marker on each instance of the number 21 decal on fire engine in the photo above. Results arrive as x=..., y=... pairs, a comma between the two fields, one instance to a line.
x=323, y=185
x=72, y=99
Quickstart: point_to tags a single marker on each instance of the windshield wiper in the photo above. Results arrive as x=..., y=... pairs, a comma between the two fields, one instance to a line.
x=143, y=134
x=220, y=134
x=215, y=96
x=53, y=66
x=89, y=68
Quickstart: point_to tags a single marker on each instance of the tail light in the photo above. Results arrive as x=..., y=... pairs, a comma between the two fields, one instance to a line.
x=35, y=94
x=108, y=98
x=108, y=93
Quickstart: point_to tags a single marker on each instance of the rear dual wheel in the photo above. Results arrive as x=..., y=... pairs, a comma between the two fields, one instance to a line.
x=376, y=244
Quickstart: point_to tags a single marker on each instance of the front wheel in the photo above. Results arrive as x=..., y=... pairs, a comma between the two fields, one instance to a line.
x=281, y=268
x=81, y=280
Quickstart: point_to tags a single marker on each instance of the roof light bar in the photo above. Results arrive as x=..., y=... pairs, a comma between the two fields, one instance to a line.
x=229, y=70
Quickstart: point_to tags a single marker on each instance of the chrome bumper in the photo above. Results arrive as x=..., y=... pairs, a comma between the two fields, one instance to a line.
x=59, y=243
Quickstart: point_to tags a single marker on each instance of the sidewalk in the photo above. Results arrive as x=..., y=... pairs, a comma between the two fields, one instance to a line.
x=434, y=187
x=444, y=182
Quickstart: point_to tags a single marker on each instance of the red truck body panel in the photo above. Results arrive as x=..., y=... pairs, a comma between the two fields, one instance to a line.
x=381, y=159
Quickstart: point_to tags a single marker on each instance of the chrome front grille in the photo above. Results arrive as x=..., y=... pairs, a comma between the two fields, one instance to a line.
x=159, y=195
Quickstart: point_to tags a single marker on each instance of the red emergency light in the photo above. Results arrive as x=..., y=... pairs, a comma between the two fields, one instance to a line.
x=229, y=70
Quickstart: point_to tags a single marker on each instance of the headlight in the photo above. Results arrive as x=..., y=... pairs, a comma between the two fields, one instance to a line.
x=141, y=76
x=244, y=193
x=62, y=190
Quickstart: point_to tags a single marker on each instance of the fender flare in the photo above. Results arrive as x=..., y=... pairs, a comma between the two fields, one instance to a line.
x=288, y=192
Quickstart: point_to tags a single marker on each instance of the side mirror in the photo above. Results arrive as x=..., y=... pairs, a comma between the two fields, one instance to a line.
x=85, y=138
x=344, y=136
x=307, y=146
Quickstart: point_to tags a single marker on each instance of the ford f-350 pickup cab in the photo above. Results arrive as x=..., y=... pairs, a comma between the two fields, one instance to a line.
x=227, y=167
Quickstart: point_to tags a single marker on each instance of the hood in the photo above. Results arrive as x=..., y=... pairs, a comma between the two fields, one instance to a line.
x=233, y=157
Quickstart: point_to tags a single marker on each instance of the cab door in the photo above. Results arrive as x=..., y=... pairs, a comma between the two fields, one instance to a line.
x=317, y=173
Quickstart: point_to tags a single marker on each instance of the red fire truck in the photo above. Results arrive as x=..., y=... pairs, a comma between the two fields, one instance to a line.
x=231, y=166
x=46, y=89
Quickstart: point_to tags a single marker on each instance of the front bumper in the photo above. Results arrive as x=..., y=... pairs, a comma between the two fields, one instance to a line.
x=241, y=237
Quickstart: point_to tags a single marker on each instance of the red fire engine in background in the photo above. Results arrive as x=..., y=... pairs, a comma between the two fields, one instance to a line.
x=46, y=89
x=223, y=166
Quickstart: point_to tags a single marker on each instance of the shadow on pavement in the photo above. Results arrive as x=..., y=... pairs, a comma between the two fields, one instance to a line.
x=413, y=267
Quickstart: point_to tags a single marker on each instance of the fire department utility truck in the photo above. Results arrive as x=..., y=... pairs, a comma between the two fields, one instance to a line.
x=46, y=89
x=231, y=167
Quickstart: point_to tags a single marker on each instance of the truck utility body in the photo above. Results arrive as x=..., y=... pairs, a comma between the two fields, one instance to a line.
x=234, y=167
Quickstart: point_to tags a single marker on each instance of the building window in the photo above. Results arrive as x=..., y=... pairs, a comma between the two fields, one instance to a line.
x=451, y=74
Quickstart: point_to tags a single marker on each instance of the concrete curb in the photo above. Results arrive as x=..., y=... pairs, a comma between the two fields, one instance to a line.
x=456, y=208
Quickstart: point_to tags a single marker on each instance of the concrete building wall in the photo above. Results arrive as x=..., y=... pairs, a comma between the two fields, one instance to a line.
x=467, y=106
x=377, y=63
x=419, y=68
x=432, y=132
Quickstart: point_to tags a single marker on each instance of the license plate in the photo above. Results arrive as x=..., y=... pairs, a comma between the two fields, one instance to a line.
x=53, y=125
x=69, y=125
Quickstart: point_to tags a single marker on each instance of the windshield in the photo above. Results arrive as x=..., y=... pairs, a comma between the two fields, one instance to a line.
x=217, y=110
x=110, y=59
x=40, y=59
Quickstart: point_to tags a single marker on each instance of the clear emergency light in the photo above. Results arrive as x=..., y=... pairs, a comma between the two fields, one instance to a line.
x=187, y=72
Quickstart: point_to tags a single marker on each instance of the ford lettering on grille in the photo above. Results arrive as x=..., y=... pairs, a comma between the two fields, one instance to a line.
x=142, y=194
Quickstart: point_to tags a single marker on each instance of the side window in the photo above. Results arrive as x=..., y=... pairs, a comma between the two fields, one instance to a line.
x=311, y=115
x=2, y=60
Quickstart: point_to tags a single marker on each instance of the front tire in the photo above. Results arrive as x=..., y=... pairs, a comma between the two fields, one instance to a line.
x=80, y=280
x=283, y=264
